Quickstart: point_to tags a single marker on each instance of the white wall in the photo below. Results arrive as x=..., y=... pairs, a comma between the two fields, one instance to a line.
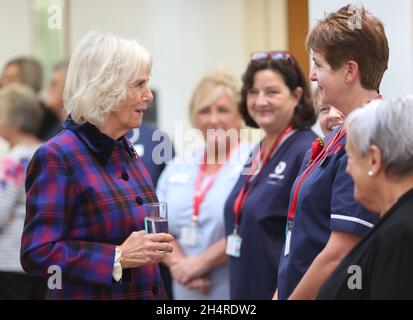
x=397, y=17
x=15, y=29
x=186, y=38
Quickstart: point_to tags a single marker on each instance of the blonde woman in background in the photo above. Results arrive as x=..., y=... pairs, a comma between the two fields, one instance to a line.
x=196, y=188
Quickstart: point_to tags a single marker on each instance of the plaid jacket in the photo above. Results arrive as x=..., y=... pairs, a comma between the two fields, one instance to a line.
x=84, y=196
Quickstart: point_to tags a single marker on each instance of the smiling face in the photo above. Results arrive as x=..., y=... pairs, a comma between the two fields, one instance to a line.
x=331, y=83
x=222, y=113
x=129, y=113
x=330, y=118
x=270, y=102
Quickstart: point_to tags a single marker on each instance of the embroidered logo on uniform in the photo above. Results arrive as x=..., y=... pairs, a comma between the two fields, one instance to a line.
x=279, y=170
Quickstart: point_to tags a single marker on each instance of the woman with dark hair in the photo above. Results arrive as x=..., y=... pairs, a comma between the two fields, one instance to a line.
x=276, y=98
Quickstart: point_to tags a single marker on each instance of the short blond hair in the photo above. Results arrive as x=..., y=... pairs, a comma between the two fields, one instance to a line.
x=99, y=71
x=210, y=88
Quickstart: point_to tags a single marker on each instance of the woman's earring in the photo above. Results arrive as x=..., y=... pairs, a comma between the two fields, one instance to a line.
x=370, y=173
x=346, y=81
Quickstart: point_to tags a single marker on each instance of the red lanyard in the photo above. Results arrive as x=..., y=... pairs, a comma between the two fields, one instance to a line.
x=330, y=146
x=246, y=188
x=333, y=142
x=200, y=193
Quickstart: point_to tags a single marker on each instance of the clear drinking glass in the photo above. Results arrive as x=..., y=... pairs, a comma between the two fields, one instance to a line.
x=156, y=217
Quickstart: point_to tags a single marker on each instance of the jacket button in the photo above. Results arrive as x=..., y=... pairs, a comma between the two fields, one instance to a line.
x=125, y=176
x=155, y=289
x=139, y=200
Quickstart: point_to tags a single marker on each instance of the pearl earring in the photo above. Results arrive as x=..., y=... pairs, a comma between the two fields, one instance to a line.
x=370, y=173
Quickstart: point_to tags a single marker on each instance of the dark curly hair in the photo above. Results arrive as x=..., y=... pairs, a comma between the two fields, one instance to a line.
x=304, y=114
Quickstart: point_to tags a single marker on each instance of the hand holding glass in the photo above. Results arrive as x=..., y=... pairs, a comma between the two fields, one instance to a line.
x=156, y=217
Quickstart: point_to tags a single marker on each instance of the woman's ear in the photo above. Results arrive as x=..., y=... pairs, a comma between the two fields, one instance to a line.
x=375, y=160
x=352, y=71
x=298, y=92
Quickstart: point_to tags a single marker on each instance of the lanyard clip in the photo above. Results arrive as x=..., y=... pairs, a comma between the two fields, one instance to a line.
x=194, y=220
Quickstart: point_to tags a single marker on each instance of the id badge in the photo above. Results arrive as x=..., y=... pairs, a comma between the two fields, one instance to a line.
x=234, y=245
x=190, y=236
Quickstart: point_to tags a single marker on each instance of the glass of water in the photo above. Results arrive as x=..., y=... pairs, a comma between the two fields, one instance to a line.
x=156, y=217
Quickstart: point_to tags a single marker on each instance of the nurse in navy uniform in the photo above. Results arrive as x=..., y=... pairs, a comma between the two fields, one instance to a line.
x=324, y=220
x=275, y=98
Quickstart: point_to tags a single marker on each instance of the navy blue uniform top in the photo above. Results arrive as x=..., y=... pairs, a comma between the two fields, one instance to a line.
x=262, y=225
x=154, y=147
x=325, y=203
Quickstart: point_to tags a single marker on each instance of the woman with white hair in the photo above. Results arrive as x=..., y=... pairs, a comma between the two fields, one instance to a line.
x=380, y=161
x=86, y=186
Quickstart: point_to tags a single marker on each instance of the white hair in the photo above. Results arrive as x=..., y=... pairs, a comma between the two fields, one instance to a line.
x=388, y=125
x=99, y=71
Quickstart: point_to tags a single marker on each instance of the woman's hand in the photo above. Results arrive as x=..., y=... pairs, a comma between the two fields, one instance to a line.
x=201, y=284
x=188, y=268
x=172, y=258
x=142, y=249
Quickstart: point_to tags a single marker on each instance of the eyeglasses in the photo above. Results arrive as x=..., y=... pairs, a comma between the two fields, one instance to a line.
x=273, y=55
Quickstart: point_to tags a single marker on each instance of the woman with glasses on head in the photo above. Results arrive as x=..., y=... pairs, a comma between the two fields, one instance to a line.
x=277, y=99
x=324, y=220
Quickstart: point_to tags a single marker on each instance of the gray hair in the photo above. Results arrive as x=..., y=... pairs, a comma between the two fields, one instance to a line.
x=19, y=106
x=388, y=125
x=99, y=71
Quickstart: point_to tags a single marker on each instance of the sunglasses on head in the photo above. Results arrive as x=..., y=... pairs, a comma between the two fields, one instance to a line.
x=273, y=55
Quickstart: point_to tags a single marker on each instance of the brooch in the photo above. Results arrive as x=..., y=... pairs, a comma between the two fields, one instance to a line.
x=316, y=147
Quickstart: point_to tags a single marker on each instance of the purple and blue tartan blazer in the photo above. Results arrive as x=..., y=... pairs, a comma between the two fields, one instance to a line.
x=84, y=196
